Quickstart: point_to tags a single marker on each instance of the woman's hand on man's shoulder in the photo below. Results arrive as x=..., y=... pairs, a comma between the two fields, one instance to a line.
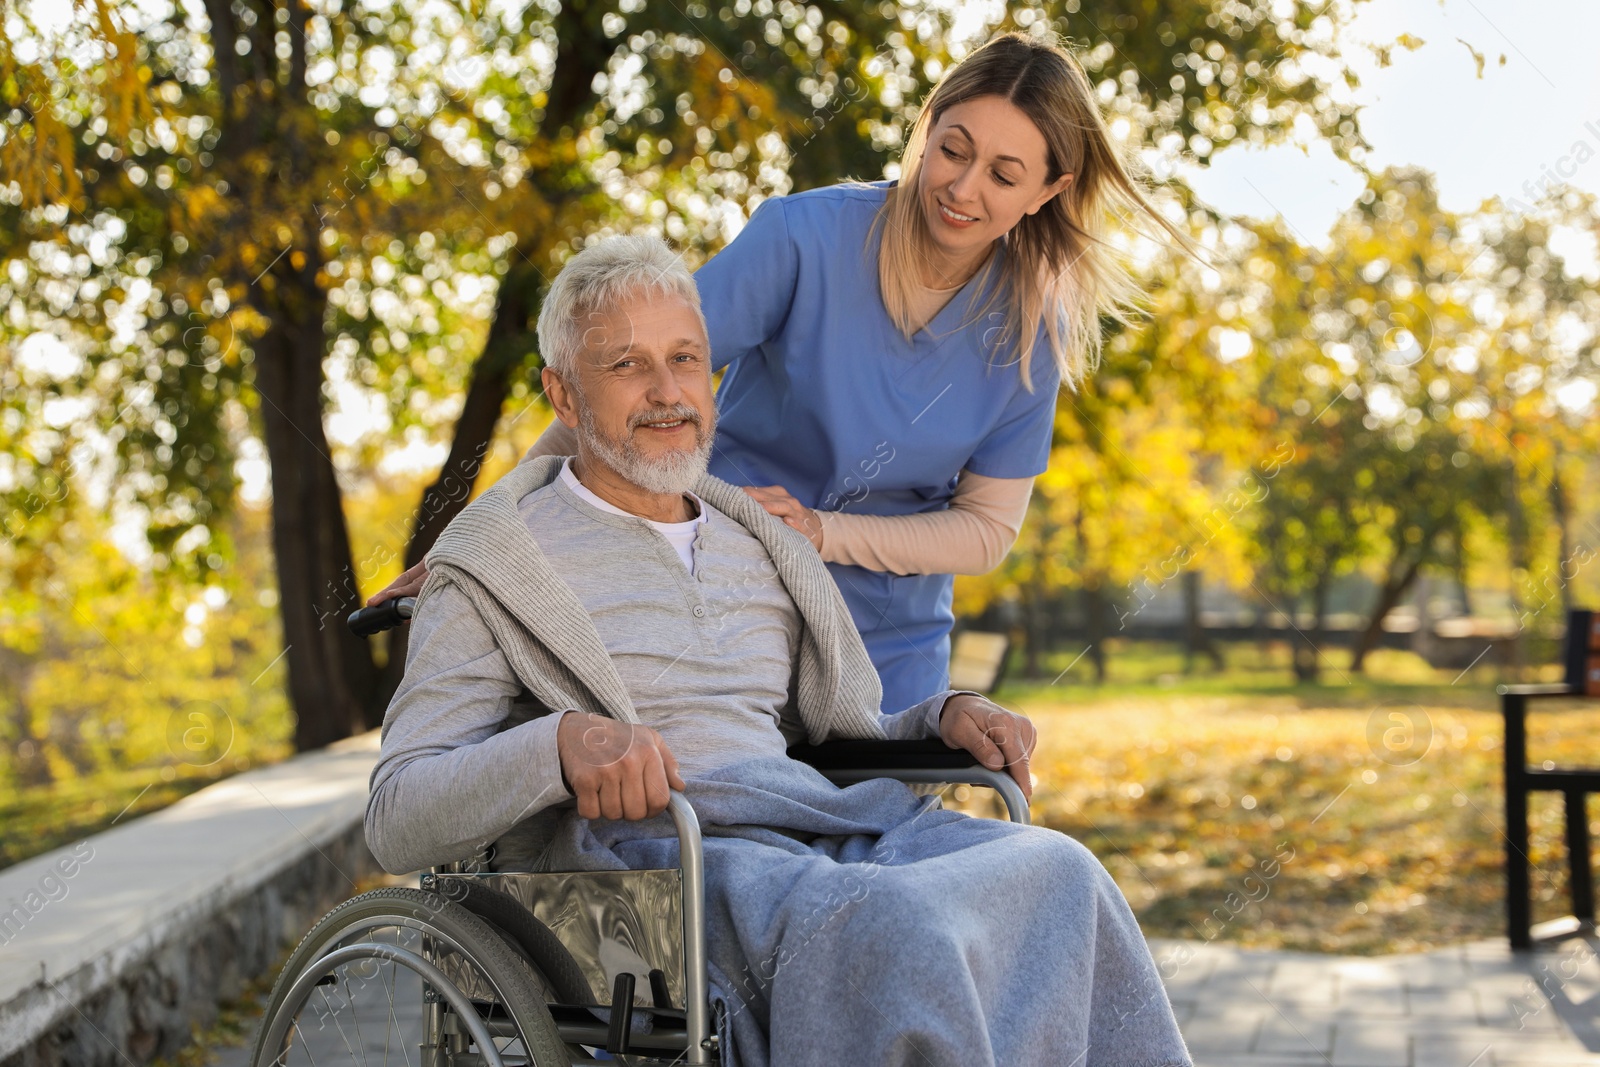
x=408, y=584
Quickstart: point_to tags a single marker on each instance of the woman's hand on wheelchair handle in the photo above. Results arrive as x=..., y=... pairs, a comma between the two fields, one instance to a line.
x=996, y=737
x=408, y=584
x=615, y=770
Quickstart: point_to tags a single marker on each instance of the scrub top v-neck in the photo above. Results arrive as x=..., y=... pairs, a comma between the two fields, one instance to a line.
x=824, y=396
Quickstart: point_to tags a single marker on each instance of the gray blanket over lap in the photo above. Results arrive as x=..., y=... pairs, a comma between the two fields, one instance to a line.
x=868, y=925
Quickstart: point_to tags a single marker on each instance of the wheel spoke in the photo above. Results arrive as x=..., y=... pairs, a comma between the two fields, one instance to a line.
x=309, y=1054
x=399, y=1030
x=337, y=1025
x=387, y=928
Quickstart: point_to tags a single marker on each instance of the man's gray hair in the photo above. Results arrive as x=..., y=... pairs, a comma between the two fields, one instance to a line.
x=597, y=279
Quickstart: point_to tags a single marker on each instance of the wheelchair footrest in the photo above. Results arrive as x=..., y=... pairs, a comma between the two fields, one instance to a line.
x=579, y=1026
x=620, y=1033
x=658, y=989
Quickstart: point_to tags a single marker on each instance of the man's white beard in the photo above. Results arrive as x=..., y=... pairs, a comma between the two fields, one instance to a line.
x=675, y=472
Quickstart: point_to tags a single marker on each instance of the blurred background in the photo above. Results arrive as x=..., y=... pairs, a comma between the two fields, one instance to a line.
x=268, y=279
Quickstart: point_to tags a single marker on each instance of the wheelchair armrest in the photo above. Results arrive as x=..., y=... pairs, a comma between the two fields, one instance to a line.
x=927, y=753
x=696, y=974
x=927, y=761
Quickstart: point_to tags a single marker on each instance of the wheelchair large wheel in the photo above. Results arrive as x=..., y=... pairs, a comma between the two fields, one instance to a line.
x=403, y=976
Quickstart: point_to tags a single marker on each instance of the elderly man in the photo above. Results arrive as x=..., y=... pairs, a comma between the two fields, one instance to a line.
x=605, y=628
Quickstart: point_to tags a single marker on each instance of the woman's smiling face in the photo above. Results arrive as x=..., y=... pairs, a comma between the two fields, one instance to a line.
x=985, y=167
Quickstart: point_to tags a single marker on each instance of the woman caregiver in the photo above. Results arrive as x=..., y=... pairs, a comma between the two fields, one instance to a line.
x=894, y=350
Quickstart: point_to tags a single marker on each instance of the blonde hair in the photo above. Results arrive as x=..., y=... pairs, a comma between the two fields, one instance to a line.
x=1060, y=274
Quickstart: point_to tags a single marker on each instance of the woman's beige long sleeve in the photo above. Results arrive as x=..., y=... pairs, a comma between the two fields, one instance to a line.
x=971, y=537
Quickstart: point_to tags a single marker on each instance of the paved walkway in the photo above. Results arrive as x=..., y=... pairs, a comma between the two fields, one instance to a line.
x=1475, y=1005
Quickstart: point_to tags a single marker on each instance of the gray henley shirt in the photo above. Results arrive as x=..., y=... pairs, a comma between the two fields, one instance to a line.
x=707, y=659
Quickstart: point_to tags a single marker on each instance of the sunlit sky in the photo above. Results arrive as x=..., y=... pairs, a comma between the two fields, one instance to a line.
x=1504, y=134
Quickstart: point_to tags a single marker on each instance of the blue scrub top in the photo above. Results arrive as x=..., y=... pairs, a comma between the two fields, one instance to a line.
x=824, y=396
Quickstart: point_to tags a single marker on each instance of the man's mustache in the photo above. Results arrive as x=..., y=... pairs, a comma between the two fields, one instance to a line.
x=677, y=411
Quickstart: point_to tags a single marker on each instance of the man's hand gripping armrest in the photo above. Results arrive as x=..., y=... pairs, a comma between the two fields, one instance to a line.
x=613, y=769
x=996, y=737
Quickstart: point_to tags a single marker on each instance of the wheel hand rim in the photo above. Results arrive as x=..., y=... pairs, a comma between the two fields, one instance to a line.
x=300, y=991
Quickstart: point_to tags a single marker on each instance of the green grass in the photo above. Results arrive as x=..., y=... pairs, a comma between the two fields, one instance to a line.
x=1361, y=815
x=1351, y=836
x=36, y=820
x=1157, y=668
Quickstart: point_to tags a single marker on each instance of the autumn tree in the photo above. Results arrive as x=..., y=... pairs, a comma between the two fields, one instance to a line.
x=187, y=191
x=287, y=152
x=1530, y=384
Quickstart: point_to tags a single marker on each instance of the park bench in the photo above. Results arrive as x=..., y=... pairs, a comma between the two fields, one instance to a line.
x=978, y=660
x=1574, y=783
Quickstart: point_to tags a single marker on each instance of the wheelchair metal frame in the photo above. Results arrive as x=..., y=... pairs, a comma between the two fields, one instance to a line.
x=698, y=1041
x=842, y=762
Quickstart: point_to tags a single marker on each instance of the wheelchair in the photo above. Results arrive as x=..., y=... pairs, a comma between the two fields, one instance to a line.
x=482, y=968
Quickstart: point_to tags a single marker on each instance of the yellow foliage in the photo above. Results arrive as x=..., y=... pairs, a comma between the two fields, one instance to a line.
x=117, y=687
x=1324, y=840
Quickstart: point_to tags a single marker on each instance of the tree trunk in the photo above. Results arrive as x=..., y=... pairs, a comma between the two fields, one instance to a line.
x=1032, y=637
x=1269, y=596
x=224, y=61
x=505, y=351
x=1196, y=641
x=1094, y=621
x=330, y=669
x=507, y=348
x=1057, y=610
x=1397, y=582
x=1307, y=654
x=1422, y=639
x=1560, y=506
x=1517, y=544
x=1460, y=566
x=32, y=767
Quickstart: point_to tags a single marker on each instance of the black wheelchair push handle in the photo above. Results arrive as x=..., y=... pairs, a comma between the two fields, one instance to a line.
x=365, y=622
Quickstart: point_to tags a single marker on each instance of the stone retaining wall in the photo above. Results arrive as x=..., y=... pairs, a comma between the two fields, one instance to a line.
x=112, y=951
